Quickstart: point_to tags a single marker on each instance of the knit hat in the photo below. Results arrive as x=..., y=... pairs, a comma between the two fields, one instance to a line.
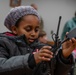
x=16, y=13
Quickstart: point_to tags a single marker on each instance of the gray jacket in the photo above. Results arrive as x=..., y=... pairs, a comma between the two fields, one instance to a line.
x=16, y=58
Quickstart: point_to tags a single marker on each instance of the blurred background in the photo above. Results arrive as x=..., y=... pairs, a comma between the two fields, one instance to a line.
x=50, y=10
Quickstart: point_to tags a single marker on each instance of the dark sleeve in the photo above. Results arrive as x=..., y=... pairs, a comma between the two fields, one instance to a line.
x=68, y=60
x=31, y=61
x=63, y=65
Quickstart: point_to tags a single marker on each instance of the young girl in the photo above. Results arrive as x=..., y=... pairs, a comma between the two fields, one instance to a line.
x=22, y=54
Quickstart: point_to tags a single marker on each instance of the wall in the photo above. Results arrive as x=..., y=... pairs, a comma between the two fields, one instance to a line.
x=50, y=10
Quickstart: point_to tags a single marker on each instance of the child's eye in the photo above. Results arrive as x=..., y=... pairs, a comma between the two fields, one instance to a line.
x=37, y=29
x=28, y=29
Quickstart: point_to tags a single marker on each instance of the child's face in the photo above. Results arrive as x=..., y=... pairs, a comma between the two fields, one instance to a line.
x=30, y=27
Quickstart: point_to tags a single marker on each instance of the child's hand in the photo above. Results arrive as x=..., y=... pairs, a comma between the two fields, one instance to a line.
x=44, y=54
x=68, y=47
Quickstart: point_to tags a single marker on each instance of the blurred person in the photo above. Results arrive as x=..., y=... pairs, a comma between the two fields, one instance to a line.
x=69, y=25
x=43, y=37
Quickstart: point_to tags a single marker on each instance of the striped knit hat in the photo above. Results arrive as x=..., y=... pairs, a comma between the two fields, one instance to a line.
x=16, y=13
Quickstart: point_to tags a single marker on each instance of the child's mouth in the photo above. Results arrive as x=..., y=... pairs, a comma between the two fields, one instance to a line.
x=31, y=40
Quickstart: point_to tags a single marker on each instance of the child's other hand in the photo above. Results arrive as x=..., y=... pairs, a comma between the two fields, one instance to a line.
x=68, y=47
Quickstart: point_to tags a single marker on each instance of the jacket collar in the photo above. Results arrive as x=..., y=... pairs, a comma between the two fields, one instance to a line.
x=21, y=40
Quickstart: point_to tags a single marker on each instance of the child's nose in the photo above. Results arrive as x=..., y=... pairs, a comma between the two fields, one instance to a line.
x=33, y=33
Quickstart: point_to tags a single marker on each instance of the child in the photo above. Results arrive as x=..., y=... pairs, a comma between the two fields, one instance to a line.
x=43, y=36
x=20, y=53
x=44, y=39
